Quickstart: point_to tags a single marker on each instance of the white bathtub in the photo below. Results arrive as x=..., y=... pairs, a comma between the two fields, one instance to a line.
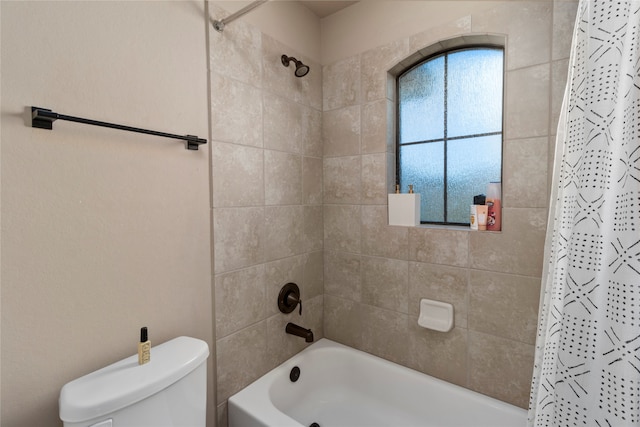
x=341, y=386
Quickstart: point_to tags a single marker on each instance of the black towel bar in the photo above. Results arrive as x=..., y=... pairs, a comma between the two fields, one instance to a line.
x=43, y=118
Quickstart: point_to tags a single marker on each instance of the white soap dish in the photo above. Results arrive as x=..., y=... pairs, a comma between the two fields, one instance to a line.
x=436, y=315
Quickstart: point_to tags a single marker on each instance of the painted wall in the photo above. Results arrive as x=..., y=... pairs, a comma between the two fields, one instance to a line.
x=374, y=274
x=103, y=231
x=267, y=194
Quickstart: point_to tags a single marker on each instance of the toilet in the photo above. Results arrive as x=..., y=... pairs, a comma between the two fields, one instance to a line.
x=170, y=390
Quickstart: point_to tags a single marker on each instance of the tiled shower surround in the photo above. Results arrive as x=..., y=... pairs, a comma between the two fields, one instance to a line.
x=301, y=169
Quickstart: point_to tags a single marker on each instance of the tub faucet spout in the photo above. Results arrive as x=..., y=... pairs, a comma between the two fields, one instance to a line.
x=299, y=331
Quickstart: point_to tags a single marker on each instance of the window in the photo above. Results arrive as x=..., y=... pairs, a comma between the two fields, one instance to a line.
x=450, y=130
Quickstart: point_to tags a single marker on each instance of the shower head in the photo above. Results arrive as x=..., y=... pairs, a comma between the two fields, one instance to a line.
x=301, y=69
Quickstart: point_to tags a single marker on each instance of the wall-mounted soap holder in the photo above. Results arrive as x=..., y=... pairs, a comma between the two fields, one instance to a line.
x=289, y=298
x=436, y=315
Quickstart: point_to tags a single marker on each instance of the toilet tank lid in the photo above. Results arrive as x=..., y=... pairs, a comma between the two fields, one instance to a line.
x=125, y=382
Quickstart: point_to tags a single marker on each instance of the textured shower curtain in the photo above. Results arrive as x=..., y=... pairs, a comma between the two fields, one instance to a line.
x=587, y=363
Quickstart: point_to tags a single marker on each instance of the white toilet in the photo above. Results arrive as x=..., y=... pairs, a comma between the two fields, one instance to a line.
x=170, y=390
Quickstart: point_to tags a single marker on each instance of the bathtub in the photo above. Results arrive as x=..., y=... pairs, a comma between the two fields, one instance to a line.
x=341, y=386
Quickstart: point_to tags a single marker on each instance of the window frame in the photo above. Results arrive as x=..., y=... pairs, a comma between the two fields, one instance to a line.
x=419, y=62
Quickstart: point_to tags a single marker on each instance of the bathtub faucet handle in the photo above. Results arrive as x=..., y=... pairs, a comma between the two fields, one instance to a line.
x=289, y=298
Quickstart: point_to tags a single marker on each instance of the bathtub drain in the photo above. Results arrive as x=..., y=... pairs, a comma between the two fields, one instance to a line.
x=315, y=425
x=294, y=375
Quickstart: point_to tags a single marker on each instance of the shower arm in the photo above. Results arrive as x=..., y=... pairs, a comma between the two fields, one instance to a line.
x=219, y=24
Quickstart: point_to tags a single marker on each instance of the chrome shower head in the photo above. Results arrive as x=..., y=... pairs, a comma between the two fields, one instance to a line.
x=301, y=69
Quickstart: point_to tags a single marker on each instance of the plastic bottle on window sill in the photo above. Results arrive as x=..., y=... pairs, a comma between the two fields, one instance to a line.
x=494, y=206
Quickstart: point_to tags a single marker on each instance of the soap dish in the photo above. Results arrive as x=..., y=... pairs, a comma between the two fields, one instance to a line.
x=436, y=315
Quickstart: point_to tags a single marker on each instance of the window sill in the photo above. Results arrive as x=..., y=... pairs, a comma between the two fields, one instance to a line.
x=453, y=228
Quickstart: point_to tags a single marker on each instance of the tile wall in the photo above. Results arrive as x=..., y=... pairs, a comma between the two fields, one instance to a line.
x=267, y=202
x=375, y=275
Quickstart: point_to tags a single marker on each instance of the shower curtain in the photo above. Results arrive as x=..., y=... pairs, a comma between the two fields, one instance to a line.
x=587, y=362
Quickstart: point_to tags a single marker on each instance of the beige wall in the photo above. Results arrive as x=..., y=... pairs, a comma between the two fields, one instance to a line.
x=267, y=195
x=375, y=275
x=103, y=231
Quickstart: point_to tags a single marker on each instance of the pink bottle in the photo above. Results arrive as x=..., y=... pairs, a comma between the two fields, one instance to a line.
x=494, y=207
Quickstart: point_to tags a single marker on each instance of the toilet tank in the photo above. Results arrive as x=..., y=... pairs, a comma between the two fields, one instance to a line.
x=170, y=390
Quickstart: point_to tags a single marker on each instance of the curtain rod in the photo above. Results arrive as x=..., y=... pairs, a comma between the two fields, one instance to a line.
x=43, y=118
x=219, y=24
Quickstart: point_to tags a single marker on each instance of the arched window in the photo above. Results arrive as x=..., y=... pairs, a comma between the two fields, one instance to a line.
x=449, y=141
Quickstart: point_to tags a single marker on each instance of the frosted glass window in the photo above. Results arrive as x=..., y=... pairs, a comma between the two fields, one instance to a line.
x=471, y=165
x=450, y=130
x=474, y=83
x=422, y=92
x=423, y=167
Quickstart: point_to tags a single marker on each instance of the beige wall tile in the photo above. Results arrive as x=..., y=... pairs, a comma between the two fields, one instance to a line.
x=312, y=133
x=528, y=28
x=291, y=126
x=313, y=316
x=525, y=173
x=341, y=131
x=564, y=18
x=427, y=38
x=381, y=239
x=391, y=172
x=559, y=72
x=342, y=178
x=527, y=102
x=342, y=228
x=284, y=122
x=343, y=320
x=276, y=275
x=441, y=355
x=374, y=183
x=385, y=283
x=313, y=274
x=312, y=180
x=313, y=237
x=238, y=237
x=240, y=359
x=385, y=333
x=233, y=167
x=518, y=249
x=500, y=368
x=342, y=275
x=341, y=83
x=374, y=65
x=311, y=85
x=236, y=53
x=240, y=299
x=439, y=283
x=282, y=178
x=439, y=246
x=504, y=305
x=375, y=126
x=222, y=415
x=238, y=110
x=283, y=231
